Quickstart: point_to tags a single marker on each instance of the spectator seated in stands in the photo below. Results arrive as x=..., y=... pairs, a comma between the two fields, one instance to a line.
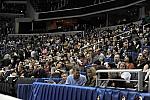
x=60, y=55
x=129, y=63
x=109, y=56
x=146, y=53
x=117, y=59
x=146, y=41
x=124, y=49
x=76, y=78
x=142, y=63
x=64, y=78
x=58, y=70
x=91, y=77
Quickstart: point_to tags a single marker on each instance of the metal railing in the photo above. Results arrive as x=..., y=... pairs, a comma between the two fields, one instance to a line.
x=90, y=46
x=149, y=84
x=53, y=33
x=138, y=71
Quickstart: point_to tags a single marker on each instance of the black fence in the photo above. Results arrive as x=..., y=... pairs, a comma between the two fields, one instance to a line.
x=10, y=84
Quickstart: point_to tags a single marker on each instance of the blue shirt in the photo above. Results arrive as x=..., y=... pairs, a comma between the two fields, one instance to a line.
x=71, y=81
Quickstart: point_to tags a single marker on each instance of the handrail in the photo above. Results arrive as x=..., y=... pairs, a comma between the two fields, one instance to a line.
x=96, y=44
x=55, y=33
x=139, y=71
x=118, y=80
x=123, y=33
x=115, y=26
x=119, y=70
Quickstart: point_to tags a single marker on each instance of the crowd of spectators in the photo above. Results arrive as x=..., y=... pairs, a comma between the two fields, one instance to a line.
x=75, y=58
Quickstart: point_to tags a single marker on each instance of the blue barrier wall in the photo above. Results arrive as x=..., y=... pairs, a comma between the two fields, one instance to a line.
x=45, y=91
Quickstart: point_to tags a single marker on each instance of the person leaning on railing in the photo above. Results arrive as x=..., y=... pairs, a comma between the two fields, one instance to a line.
x=116, y=78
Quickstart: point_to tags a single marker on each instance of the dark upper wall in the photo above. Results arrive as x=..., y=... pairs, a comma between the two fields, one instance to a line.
x=90, y=10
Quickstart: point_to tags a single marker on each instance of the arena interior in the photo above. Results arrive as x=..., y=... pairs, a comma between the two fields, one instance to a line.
x=74, y=49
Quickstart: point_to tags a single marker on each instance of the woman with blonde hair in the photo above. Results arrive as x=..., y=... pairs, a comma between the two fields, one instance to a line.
x=91, y=77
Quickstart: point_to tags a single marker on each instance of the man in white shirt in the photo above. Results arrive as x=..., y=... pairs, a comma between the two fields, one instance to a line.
x=76, y=78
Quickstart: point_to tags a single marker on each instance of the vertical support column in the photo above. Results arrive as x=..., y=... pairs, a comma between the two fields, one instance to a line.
x=83, y=34
x=32, y=26
x=97, y=80
x=142, y=12
x=140, y=81
x=107, y=19
x=16, y=26
x=149, y=84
